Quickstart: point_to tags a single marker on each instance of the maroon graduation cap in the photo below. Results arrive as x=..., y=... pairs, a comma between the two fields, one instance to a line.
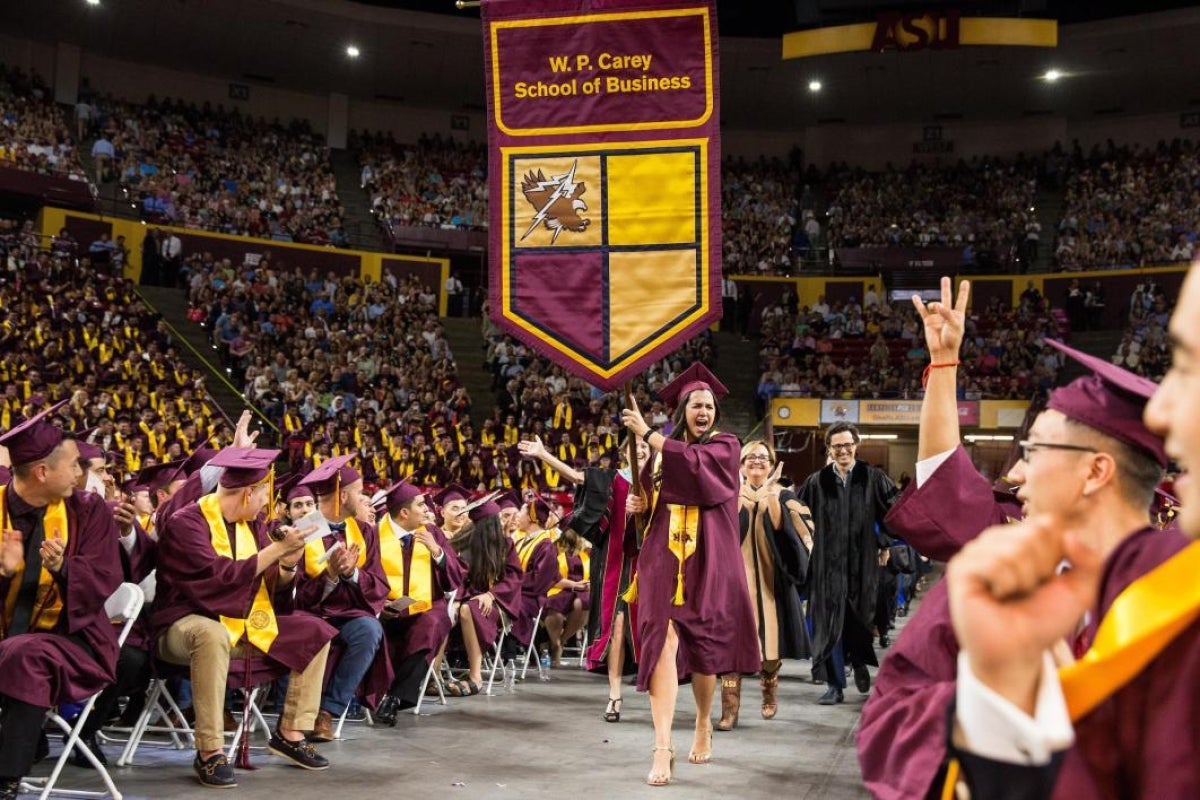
x=33, y=439
x=400, y=495
x=1111, y=400
x=539, y=511
x=484, y=510
x=160, y=476
x=697, y=376
x=508, y=500
x=244, y=466
x=450, y=494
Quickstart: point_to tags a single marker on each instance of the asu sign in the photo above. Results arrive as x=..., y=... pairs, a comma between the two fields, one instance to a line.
x=924, y=30
x=604, y=163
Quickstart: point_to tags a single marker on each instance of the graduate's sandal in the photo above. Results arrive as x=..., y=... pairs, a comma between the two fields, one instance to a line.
x=657, y=778
x=463, y=688
x=702, y=756
x=613, y=712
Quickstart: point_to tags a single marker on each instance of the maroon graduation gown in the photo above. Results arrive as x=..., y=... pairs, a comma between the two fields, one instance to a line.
x=44, y=669
x=561, y=603
x=715, y=624
x=193, y=579
x=507, y=592
x=363, y=597
x=903, y=731
x=614, y=563
x=420, y=633
x=540, y=576
x=137, y=564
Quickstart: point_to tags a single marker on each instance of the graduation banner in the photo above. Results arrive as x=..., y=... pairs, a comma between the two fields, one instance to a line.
x=604, y=165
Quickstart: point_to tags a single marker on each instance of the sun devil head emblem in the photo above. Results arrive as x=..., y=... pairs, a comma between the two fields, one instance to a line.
x=556, y=202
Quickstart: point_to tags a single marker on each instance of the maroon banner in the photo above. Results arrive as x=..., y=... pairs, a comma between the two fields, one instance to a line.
x=604, y=157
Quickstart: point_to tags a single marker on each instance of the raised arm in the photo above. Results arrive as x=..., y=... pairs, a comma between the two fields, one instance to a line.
x=535, y=449
x=944, y=327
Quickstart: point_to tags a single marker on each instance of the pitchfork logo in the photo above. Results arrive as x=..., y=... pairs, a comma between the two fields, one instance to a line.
x=556, y=202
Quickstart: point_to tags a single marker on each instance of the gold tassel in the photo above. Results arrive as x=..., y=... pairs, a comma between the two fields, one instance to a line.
x=631, y=594
x=679, y=587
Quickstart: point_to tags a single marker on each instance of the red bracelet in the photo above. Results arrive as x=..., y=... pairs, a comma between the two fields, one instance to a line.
x=925, y=374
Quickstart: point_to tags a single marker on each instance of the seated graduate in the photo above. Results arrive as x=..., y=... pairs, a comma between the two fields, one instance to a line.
x=453, y=502
x=421, y=570
x=225, y=590
x=343, y=582
x=58, y=566
x=492, y=585
x=569, y=599
x=539, y=562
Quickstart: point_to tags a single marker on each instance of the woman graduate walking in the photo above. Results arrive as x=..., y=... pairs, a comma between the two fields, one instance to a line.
x=695, y=619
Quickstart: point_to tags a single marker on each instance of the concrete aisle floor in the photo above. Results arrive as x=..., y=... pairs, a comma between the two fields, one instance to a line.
x=544, y=740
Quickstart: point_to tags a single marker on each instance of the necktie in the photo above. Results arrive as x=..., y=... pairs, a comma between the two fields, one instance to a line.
x=27, y=594
x=337, y=527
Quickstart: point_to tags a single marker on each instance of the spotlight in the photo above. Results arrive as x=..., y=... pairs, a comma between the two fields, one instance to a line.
x=93, y=2
x=352, y=51
x=1052, y=75
x=814, y=86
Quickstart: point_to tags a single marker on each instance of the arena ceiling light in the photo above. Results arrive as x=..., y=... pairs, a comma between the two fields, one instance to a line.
x=1052, y=75
x=814, y=86
x=93, y=2
x=353, y=51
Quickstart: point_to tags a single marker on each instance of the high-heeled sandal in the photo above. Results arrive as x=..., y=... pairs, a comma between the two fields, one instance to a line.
x=697, y=757
x=658, y=778
x=613, y=712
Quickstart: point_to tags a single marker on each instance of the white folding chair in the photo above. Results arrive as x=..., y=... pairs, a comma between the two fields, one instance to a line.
x=580, y=647
x=431, y=674
x=505, y=628
x=537, y=621
x=155, y=718
x=123, y=607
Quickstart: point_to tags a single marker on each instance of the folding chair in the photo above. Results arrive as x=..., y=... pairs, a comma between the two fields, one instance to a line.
x=537, y=621
x=337, y=733
x=123, y=607
x=260, y=674
x=172, y=722
x=431, y=673
x=505, y=628
x=581, y=645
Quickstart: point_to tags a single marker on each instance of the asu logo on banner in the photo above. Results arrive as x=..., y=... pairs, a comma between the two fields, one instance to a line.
x=605, y=200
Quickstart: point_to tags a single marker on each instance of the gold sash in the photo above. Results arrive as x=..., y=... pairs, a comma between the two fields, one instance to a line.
x=49, y=604
x=1142, y=621
x=420, y=576
x=565, y=571
x=260, y=628
x=315, y=550
x=525, y=548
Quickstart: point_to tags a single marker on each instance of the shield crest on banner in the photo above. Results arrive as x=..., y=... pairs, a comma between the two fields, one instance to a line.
x=605, y=253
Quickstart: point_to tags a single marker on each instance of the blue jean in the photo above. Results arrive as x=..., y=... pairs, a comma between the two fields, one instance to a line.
x=360, y=637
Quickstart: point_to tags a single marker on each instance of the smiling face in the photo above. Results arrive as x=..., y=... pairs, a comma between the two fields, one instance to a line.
x=1174, y=411
x=843, y=449
x=756, y=463
x=700, y=413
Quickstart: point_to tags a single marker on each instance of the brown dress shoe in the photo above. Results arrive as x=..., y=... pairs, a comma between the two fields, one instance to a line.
x=323, y=729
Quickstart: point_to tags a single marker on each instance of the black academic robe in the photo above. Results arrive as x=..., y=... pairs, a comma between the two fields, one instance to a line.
x=844, y=566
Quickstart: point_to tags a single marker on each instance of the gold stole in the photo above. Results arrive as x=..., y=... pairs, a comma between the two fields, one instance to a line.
x=683, y=533
x=146, y=521
x=551, y=476
x=381, y=466
x=563, y=416
x=567, y=452
x=260, y=628
x=1142, y=621
x=314, y=550
x=420, y=573
x=291, y=423
x=487, y=439
x=565, y=571
x=49, y=604
x=525, y=549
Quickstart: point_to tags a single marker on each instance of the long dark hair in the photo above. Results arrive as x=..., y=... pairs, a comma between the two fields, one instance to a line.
x=484, y=547
x=570, y=540
x=679, y=418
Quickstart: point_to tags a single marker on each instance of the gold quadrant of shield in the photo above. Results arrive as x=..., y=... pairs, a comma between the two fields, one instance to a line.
x=557, y=201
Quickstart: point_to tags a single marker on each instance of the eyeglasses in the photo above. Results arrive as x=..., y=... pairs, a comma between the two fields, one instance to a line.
x=1028, y=447
x=765, y=459
x=848, y=446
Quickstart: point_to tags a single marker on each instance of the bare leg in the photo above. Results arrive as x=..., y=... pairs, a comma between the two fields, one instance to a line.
x=575, y=620
x=664, y=689
x=616, y=656
x=702, y=689
x=554, y=630
x=471, y=643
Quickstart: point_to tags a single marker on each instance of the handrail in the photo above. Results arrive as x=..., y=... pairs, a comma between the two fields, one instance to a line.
x=179, y=337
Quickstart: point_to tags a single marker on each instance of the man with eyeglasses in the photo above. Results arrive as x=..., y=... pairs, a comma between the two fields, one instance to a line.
x=849, y=499
x=1088, y=458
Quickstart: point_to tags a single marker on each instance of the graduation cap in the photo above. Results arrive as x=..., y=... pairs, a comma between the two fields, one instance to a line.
x=508, y=500
x=331, y=476
x=198, y=459
x=450, y=494
x=289, y=489
x=245, y=466
x=87, y=450
x=160, y=476
x=33, y=439
x=1111, y=400
x=539, y=511
x=486, y=509
x=697, y=376
x=400, y=494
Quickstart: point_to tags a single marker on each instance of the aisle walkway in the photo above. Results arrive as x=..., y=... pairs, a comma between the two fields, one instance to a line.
x=546, y=740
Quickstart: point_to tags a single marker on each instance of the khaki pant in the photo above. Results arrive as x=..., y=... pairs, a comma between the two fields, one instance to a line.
x=203, y=644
